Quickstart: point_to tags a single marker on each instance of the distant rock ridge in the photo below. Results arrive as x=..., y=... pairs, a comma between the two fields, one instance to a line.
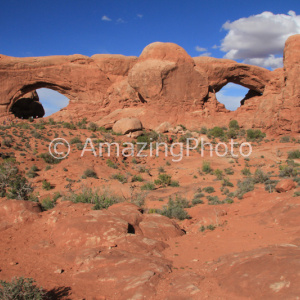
x=163, y=84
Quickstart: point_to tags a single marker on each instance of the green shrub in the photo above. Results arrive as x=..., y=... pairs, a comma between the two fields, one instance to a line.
x=231, y=134
x=69, y=125
x=138, y=178
x=244, y=186
x=209, y=189
x=163, y=179
x=213, y=200
x=226, y=182
x=90, y=173
x=296, y=194
x=233, y=124
x=216, y=132
x=149, y=186
x=206, y=167
x=294, y=154
x=203, y=130
x=229, y=171
x=49, y=159
x=47, y=204
x=175, y=209
x=46, y=185
x=285, y=139
x=288, y=171
x=260, y=176
x=101, y=199
x=119, y=177
x=255, y=134
x=147, y=138
x=246, y=172
x=75, y=140
x=93, y=127
x=111, y=164
x=21, y=288
x=219, y=174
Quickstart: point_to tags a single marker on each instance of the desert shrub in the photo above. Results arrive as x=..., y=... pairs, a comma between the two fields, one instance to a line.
x=161, y=170
x=75, y=140
x=233, y=124
x=197, y=198
x=174, y=183
x=206, y=167
x=260, y=176
x=209, y=189
x=203, y=130
x=163, y=179
x=49, y=159
x=101, y=199
x=294, y=154
x=216, y=132
x=138, y=178
x=226, y=182
x=232, y=133
x=149, y=186
x=47, y=204
x=120, y=177
x=93, y=127
x=255, y=134
x=69, y=125
x=46, y=185
x=246, y=172
x=32, y=172
x=287, y=171
x=229, y=171
x=90, y=173
x=111, y=164
x=213, y=200
x=147, y=138
x=296, y=194
x=7, y=142
x=219, y=174
x=244, y=186
x=183, y=138
x=270, y=185
x=21, y=288
x=175, y=209
x=285, y=139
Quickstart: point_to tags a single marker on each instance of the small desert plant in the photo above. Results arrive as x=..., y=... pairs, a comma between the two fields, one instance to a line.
x=253, y=134
x=21, y=288
x=111, y=164
x=244, y=186
x=219, y=174
x=49, y=159
x=90, y=173
x=138, y=178
x=175, y=209
x=206, y=167
x=46, y=185
x=216, y=132
x=93, y=127
x=233, y=124
x=285, y=139
x=119, y=177
x=209, y=189
x=294, y=154
x=149, y=186
x=246, y=172
x=101, y=199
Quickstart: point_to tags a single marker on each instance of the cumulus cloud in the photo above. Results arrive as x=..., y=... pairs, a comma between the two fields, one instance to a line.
x=200, y=49
x=257, y=39
x=105, y=18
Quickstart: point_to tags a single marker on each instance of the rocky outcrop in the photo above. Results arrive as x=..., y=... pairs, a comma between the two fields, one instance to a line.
x=163, y=84
x=127, y=125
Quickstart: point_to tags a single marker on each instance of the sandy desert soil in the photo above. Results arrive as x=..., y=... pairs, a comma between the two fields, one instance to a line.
x=221, y=247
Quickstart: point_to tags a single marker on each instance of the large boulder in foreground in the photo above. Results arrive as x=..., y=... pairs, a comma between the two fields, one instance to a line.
x=127, y=125
x=285, y=185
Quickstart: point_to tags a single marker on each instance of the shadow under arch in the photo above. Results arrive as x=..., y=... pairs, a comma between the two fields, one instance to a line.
x=27, y=103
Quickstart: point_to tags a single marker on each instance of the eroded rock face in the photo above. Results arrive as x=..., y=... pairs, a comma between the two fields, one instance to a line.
x=163, y=84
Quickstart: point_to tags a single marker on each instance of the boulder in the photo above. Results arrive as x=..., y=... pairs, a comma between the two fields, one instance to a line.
x=285, y=185
x=127, y=125
x=163, y=127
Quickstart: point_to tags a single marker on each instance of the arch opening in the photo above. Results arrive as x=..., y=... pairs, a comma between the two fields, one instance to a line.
x=39, y=103
x=234, y=95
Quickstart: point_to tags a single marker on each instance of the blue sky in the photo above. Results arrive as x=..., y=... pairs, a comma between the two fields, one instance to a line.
x=232, y=29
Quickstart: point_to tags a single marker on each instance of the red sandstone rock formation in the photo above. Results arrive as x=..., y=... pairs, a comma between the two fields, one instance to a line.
x=163, y=84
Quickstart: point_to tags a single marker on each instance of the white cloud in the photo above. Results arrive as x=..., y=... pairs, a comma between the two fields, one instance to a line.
x=205, y=54
x=200, y=49
x=215, y=47
x=257, y=39
x=105, y=18
x=269, y=62
x=120, y=20
x=139, y=16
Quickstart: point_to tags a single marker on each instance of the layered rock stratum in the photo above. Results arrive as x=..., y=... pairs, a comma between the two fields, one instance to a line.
x=163, y=84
